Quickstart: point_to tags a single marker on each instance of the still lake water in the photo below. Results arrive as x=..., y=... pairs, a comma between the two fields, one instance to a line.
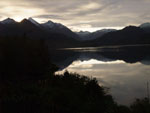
x=125, y=71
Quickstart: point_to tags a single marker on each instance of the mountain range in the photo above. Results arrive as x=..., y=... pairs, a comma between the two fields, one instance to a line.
x=57, y=35
x=85, y=35
x=130, y=35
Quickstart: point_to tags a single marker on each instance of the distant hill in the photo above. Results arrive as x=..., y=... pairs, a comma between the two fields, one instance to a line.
x=59, y=28
x=85, y=35
x=145, y=27
x=128, y=35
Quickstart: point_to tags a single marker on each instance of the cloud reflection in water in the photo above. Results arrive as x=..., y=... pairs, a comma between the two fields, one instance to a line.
x=126, y=81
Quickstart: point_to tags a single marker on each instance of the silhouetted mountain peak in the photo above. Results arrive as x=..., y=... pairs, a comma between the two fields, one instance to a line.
x=27, y=22
x=24, y=21
x=145, y=25
x=131, y=28
x=28, y=25
x=33, y=21
x=8, y=21
x=49, y=24
x=83, y=31
x=85, y=35
x=53, y=25
x=106, y=30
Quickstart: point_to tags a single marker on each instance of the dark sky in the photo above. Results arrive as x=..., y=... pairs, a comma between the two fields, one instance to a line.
x=79, y=14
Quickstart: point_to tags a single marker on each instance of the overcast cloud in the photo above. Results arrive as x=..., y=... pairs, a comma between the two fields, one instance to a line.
x=79, y=14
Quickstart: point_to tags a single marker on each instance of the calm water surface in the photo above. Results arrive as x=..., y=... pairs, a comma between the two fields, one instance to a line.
x=125, y=71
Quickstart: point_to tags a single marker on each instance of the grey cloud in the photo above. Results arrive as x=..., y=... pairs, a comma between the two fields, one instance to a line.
x=109, y=13
x=50, y=17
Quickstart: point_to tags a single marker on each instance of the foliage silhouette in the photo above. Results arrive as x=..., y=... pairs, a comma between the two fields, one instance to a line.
x=58, y=94
x=141, y=106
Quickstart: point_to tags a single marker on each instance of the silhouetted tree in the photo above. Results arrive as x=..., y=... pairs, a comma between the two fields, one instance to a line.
x=141, y=106
x=22, y=57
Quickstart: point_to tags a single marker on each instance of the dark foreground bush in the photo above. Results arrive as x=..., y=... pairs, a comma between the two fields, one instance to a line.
x=140, y=106
x=68, y=93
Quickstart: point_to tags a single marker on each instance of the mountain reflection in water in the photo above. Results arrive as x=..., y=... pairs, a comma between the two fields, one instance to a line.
x=124, y=70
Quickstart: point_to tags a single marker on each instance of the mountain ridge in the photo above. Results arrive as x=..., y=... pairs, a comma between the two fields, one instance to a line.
x=57, y=35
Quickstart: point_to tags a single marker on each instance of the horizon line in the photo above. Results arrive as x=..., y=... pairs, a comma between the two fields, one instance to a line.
x=74, y=29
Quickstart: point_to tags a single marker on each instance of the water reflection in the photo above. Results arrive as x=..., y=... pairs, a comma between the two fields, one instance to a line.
x=124, y=71
x=126, y=81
